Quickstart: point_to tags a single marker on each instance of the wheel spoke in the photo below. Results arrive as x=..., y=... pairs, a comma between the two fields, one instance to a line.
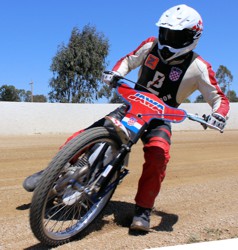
x=65, y=205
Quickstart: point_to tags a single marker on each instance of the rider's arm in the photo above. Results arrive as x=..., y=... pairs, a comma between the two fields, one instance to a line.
x=135, y=58
x=209, y=88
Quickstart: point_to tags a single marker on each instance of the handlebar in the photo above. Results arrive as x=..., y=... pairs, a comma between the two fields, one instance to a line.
x=202, y=121
x=193, y=117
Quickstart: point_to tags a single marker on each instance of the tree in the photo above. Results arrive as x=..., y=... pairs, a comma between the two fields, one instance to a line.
x=78, y=67
x=186, y=101
x=232, y=96
x=39, y=98
x=9, y=93
x=224, y=78
x=24, y=96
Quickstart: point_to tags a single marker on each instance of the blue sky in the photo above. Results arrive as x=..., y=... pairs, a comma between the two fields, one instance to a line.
x=31, y=32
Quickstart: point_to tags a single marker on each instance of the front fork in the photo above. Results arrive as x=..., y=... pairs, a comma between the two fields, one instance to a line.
x=128, y=139
x=102, y=185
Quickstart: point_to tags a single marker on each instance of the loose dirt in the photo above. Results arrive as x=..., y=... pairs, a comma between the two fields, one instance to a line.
x=198, y=199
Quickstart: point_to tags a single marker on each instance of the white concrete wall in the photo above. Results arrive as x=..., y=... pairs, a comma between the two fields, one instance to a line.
x=19, y=118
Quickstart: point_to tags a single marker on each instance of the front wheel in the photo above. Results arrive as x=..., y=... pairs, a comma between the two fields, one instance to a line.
x=64, y=203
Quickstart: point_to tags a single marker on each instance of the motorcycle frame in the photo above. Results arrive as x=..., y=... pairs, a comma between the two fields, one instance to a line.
x=143, y=108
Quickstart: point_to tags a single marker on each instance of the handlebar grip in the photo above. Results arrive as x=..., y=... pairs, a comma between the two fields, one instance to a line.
x=203, y=122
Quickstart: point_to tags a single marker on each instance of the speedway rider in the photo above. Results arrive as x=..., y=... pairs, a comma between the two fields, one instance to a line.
x=171, y=70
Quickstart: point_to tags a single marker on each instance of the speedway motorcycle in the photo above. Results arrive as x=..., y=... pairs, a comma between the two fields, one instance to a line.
x=81, y=179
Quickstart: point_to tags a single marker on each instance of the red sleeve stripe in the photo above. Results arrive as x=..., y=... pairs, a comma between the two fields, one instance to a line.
x=118, y=64
x=224, y=104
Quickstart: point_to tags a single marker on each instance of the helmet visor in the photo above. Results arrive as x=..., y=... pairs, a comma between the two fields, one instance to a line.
x=175, y=38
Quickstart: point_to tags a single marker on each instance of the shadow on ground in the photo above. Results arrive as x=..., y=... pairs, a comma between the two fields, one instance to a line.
x=123, y=213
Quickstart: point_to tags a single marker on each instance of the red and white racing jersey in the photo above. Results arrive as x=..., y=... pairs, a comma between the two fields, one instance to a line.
x=176, y=81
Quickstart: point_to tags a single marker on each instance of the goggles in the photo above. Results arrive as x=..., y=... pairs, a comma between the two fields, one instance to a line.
x=176, y=38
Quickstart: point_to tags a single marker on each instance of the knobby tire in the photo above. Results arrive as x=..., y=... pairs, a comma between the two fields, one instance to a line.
x=41, y=193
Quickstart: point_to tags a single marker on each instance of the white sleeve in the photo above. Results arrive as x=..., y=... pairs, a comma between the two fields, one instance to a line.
x=209, y=88
x=135, y=58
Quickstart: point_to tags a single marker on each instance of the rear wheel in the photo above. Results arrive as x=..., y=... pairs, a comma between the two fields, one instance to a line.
x=65, y=202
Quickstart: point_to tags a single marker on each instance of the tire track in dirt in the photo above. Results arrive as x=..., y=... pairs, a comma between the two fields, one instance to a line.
x=198, y=200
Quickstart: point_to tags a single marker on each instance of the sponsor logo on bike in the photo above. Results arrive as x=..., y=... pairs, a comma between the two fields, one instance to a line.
x=148, y=102
x=131, y=121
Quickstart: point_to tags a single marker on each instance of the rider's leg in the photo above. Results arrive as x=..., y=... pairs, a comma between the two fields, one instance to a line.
x=156, y=154
x=30, y=183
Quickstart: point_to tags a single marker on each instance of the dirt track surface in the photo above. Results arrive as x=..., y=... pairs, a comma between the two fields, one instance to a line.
x=198, y=200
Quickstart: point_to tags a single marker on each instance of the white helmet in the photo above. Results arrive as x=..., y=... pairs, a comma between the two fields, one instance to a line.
x=180, y=28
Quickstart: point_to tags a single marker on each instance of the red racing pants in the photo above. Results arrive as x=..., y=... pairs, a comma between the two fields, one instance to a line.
x=156, y=154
